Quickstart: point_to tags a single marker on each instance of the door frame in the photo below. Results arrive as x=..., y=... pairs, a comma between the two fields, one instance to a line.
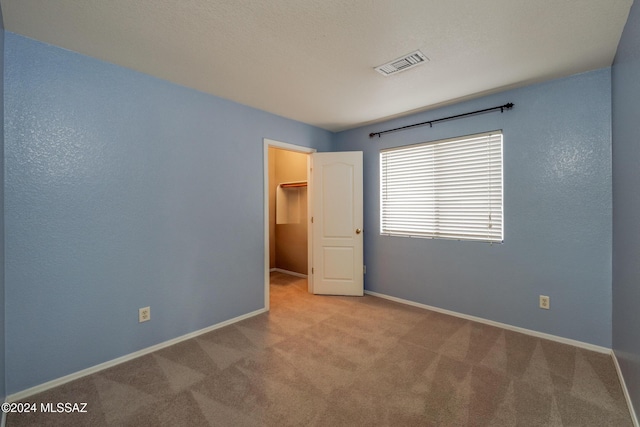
x=300, y=149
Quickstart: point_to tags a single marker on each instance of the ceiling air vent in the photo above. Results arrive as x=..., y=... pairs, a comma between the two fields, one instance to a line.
x=402, y=63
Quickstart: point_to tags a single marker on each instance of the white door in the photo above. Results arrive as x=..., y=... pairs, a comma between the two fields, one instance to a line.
x=336, y=186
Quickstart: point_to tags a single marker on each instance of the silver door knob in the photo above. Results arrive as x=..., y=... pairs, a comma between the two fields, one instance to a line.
x=358, y=231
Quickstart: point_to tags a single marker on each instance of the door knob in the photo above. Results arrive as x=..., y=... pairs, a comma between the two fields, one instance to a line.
x=358, y=231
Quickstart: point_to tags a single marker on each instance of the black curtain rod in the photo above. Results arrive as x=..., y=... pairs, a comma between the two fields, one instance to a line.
x=431, y=122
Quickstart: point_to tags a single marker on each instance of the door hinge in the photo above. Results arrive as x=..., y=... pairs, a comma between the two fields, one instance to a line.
x=311, y=220
x=311, y=270
x=364, y=269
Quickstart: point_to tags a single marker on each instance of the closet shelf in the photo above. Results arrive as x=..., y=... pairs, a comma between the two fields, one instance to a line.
x=293, y=184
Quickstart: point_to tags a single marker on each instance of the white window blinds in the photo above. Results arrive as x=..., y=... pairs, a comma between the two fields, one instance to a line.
x=444, y=189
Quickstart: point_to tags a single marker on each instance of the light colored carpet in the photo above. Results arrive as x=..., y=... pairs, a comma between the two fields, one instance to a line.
x=350, y=361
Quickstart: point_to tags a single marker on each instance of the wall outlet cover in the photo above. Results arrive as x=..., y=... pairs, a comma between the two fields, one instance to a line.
x=144, y=314
x=544, y=302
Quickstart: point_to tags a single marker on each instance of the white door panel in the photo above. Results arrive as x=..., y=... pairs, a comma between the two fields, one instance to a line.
x=336, y=182
x=338, y=263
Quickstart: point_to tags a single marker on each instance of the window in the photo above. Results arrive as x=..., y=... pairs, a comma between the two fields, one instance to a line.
x=445, y=189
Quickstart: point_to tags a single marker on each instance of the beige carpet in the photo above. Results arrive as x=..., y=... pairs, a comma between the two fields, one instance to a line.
x=331, y=361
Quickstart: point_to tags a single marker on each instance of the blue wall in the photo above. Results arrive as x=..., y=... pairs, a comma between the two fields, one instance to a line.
x=2, y=327
x=626, y=204
x=125, y=191
x=557, y=203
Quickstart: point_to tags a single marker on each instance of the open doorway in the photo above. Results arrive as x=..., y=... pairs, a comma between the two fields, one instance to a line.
x=287, y=236
x=288, y=225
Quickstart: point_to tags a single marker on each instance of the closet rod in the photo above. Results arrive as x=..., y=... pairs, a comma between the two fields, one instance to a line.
x=431, y=122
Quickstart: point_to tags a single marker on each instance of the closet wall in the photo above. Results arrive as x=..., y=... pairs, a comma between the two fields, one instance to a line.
x=287, y=242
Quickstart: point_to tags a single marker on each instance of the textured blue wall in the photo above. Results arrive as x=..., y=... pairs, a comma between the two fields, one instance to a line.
x=2, y=327
x=626, y=204
x=557, y=202
x=124, y=191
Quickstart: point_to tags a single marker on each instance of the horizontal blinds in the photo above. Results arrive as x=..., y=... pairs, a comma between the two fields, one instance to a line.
x=447, y=189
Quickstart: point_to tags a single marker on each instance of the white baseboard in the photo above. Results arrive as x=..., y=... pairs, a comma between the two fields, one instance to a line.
x=531, y=332
x=632, y=412
x=291, y=273
x=74, y=376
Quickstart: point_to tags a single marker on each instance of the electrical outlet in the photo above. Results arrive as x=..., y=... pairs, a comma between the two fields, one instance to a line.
x=144, y=314
x=544, y=302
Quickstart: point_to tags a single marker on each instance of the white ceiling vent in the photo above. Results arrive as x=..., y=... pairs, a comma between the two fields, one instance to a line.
x=403, y=63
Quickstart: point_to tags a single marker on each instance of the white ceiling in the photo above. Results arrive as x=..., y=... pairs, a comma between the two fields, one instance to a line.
x=313, y=60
